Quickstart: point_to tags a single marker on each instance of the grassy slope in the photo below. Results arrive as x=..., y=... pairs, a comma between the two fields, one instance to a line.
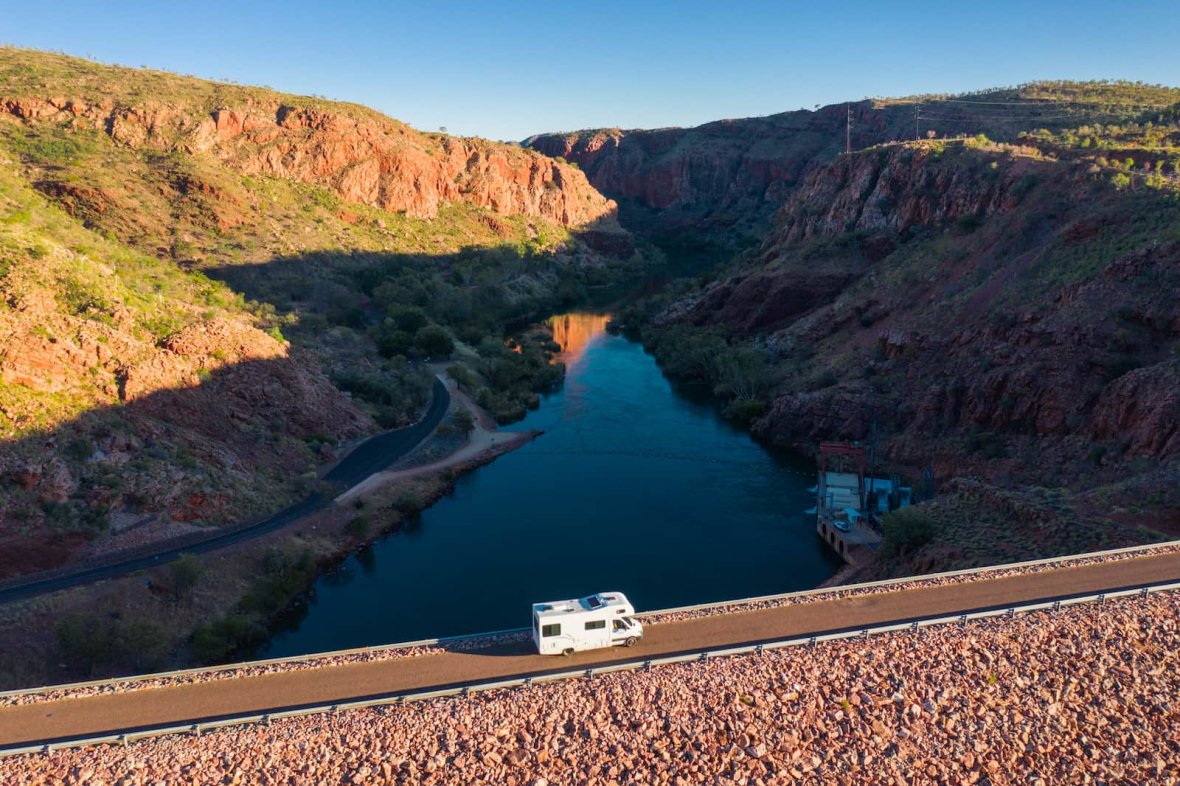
x=47, y=254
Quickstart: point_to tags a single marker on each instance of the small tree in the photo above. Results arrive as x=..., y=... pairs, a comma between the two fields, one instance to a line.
x=434, y=340
x=86, y=642
x=185, y=571
x=411, y=319
x=464, y=421
x=463, y=376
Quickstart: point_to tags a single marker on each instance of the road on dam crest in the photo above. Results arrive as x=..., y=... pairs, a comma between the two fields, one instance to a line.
x=373, y=455
x=272, y=692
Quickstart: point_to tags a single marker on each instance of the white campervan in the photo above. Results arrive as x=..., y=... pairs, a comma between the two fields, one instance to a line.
x=564, y=627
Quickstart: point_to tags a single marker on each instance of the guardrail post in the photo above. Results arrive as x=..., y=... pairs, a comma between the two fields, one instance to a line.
x=864, y=634
x=196, y=729
x=1143, y=592
x=1102, y=598
x=1011, y=612
x=963, y=620
x=123, y=739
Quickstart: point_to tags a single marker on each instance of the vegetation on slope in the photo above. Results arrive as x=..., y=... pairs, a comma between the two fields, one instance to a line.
x=208, y=236
x=1001, y=311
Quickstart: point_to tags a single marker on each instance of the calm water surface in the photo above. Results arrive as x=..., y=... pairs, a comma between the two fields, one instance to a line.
x=633, y=487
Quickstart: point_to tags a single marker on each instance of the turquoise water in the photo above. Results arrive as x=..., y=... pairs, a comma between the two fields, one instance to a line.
x=634, y=486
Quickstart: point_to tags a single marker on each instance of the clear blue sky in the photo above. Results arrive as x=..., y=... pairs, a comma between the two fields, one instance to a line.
x=508, y=69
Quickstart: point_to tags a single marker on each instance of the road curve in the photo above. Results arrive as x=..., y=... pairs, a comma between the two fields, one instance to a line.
x=119, y=712
x=373, y=455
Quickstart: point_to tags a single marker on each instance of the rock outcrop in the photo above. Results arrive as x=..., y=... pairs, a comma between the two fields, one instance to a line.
x=362, y=157
x=932, y=287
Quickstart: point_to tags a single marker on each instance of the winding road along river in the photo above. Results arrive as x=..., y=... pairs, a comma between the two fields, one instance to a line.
x=634, y=486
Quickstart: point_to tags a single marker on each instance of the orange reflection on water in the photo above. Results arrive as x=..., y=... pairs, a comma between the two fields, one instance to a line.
x=575, y=332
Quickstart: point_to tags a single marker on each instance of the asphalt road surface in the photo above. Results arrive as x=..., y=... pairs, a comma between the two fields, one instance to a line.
x=118, y=712
x=373, y=455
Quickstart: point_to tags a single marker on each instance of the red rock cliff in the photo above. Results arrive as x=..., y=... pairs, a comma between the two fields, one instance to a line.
x=363, y=157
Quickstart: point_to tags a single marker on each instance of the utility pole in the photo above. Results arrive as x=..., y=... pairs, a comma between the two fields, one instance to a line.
x=848, y=130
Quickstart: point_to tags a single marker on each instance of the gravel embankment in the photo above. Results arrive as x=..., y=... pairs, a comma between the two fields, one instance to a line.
x=479, y=642
x=1084, y=694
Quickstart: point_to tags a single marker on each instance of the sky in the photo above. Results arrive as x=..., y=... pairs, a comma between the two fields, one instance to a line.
x=505, y=70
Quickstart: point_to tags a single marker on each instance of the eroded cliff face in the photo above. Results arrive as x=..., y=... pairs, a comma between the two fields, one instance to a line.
x=996, y=311
x=720, y=177
x=367, y=159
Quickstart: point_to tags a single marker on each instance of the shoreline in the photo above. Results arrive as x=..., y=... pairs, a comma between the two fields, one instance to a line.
x=484, y=444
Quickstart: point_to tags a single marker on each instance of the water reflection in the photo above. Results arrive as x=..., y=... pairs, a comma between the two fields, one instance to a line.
x=632, y=486
x=576, y=332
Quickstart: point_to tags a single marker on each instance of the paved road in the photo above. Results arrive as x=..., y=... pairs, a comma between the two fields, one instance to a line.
x=373, y=455
x=286, y=690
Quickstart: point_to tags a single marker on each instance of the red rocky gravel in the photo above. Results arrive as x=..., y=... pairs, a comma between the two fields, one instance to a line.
x=1082, y=695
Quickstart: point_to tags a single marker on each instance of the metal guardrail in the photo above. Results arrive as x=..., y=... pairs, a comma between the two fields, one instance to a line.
x=378, y=648
x=517, y=682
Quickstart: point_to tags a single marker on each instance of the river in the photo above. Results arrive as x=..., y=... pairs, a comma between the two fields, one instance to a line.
x=634, y=486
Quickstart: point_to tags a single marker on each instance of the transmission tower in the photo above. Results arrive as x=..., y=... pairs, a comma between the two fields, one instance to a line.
x=848, y=130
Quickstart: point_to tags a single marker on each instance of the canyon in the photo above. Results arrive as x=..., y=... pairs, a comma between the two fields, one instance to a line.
x=208, y=292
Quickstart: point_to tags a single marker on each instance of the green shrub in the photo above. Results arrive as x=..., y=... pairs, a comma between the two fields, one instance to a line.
x=464, y=421
x=907, y=530
x=358, y=527
x=218, y=641
x=410, y=503
x=79, y=449
x=184, y=572
x=433, y=341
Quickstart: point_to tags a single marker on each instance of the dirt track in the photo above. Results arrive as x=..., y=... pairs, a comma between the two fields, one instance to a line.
x=186, y=703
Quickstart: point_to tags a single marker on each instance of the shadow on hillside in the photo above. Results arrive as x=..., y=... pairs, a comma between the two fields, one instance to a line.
x=238, y=438
x=478, y=288
x=231, y=446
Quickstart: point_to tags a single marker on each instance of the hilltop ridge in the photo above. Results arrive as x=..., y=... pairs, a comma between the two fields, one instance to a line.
x=722, y=181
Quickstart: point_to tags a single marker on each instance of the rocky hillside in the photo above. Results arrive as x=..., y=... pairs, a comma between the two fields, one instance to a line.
x=1004, y=312
x=357, y=154
x=132, y=394
x=721, y=182
x=207, y=287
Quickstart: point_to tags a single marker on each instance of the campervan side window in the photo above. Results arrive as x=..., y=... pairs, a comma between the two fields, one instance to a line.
x=596, y=625
x=551, y=630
